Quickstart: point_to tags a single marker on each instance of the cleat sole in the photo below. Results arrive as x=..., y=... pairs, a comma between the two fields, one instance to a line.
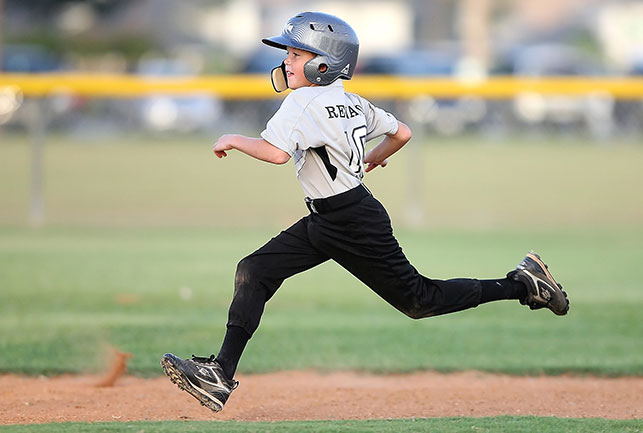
x=177, y=378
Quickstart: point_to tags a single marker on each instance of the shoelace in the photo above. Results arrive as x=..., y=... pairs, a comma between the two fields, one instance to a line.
x=210, y=360
x=203, y=360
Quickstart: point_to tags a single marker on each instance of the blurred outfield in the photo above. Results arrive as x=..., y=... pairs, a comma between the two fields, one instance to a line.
x=464, y=183
x=144, y=235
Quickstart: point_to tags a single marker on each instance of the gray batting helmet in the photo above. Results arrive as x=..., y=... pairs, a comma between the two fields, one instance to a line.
x=332, y=39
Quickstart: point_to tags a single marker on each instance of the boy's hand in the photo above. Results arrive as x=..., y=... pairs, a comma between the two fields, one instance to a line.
x=378, y=156
x=222, y=145
x=372, y=165
x=371, y=161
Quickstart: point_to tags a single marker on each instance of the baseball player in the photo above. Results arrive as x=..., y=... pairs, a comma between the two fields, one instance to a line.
x=325, y=130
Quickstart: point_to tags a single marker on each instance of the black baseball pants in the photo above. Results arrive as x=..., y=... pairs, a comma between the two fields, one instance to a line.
x=359, y=237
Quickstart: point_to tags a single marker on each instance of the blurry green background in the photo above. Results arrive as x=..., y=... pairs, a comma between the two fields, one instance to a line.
x=143, y=234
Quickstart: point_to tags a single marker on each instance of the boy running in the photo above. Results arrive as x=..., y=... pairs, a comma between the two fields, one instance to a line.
x=325, y=130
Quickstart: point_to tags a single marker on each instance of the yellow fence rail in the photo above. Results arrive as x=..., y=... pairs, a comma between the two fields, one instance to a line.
x=259, y=87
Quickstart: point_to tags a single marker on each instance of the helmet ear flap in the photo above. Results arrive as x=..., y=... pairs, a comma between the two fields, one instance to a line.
x=278, y=78
x=316, y=70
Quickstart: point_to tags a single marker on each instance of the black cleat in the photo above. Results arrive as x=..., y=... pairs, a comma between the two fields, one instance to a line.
x=542, y=290
x=203, y=378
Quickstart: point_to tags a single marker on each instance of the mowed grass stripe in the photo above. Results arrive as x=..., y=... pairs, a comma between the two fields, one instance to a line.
x=69, y=292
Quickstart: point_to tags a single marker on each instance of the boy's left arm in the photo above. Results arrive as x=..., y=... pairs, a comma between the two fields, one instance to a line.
x=387, y=147
x=255, y=147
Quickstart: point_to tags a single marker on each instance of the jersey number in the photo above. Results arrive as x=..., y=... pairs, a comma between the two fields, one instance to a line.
x=356, y=141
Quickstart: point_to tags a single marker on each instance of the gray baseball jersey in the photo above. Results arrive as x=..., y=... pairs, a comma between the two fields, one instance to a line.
x=325, y=130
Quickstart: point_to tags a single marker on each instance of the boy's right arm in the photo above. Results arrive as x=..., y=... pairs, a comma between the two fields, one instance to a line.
x=255, y=147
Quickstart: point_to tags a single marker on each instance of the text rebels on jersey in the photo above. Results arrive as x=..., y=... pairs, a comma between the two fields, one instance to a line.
x=343, y=111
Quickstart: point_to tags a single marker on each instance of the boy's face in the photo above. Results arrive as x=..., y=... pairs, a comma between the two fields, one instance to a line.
x=295, y=61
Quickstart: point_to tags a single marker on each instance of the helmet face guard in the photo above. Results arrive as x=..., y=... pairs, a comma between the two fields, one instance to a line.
x=332, y=40
x=278, y=78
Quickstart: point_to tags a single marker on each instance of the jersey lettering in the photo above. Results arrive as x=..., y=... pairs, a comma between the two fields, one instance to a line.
x=343, y=111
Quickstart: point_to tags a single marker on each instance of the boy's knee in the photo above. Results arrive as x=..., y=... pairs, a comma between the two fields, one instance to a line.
x=245, y=270
x=252, y=280
x=251, y=271
x=415, y=312
x=254, y=276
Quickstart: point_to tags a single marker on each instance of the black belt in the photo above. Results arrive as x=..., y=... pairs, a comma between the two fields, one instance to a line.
x=335, y=202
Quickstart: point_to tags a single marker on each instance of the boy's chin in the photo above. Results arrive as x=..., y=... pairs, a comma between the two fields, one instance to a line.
x=294, y=86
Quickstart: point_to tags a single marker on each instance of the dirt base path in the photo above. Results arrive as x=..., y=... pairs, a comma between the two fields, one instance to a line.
x=314, y=396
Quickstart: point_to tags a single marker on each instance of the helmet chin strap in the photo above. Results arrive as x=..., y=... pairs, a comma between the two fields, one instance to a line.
x=278, y=78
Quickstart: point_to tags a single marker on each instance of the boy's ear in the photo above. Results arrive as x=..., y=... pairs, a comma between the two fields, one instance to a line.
x=278, y=78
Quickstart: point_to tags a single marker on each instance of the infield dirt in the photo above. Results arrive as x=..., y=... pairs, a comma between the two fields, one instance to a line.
x=307, y=395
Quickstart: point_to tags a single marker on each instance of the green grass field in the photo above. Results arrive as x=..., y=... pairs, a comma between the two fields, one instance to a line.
x=143, y=237
x=148, y=291
x=442, y=425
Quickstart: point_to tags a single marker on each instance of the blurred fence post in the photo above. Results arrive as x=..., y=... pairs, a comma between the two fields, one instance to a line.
x=415, y=178
x=37, y=130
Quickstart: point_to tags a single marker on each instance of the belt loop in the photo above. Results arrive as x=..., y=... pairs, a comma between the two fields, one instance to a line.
x=311, y=205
